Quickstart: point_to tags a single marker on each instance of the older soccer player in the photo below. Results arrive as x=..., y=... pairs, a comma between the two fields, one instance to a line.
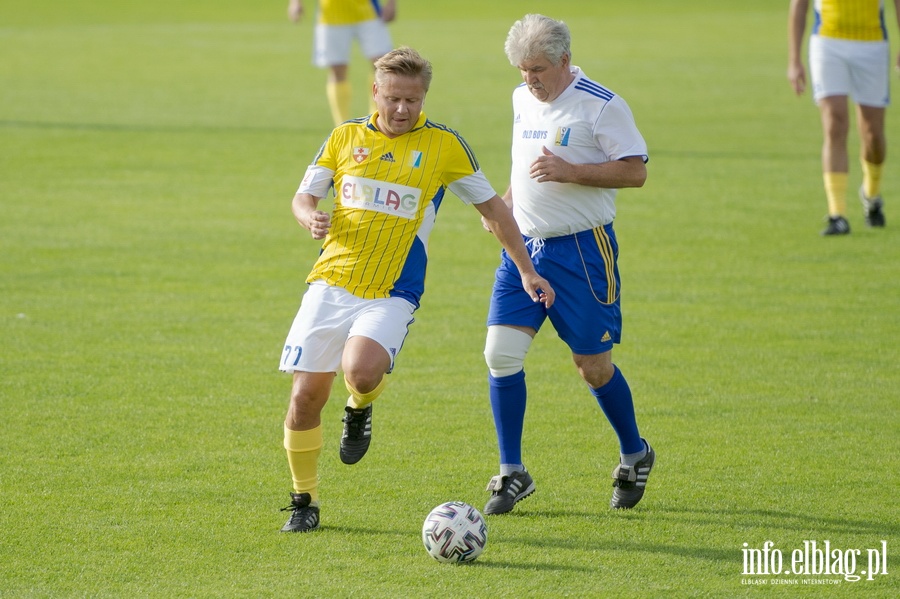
x=575, y=143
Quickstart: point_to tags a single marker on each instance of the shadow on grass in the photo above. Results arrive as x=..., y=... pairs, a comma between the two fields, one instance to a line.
x=737, y=521
x=741, y=518
x=781, y=519
x=771, y=521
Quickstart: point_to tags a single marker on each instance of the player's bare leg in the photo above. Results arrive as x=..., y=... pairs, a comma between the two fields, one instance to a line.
x=835, y=117
x=303, y=444
x=873, y=151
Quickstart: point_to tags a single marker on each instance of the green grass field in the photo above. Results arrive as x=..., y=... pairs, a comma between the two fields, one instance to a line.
x=150, y=268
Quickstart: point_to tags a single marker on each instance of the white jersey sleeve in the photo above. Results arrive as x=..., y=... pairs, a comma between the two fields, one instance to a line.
x=473, y=189
x=317, y=181
x=616, y=132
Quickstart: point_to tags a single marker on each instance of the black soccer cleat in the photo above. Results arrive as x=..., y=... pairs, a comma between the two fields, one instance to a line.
x=837, y=225
x=873, y=209
x=304, y=517
x=507, y=491
x=357, y=434
x=629, y=482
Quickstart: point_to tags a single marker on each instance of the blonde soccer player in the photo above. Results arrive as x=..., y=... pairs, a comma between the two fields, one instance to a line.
x=390, y=172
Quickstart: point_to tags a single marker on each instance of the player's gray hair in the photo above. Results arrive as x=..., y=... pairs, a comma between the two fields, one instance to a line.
x=406, y=62
x=534, y=36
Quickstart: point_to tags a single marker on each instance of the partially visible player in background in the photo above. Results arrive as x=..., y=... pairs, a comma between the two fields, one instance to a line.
x=390, y=172
x=574, y=145
x=338, y=23
x=849, y=55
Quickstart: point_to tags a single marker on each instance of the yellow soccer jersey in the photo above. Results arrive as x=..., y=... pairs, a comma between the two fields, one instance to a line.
x=347, y=12
x=387, y=194
x=859, y=20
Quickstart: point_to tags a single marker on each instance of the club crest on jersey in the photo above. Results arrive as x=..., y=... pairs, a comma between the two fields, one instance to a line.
x=360, y=154
x=380, y=196
x=562, y=136
x=415, y=159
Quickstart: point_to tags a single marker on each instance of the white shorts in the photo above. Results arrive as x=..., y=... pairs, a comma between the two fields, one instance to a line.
x=329, y=316
x=860, y=70
x=332, y=43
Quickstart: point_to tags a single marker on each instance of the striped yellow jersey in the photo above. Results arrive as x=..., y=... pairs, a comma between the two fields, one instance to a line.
x=347, y=12
x=859, y=20
x=387, y=194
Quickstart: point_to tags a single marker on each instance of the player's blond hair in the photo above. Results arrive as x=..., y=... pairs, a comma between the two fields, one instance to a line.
x=534, y=36
x=405, y=62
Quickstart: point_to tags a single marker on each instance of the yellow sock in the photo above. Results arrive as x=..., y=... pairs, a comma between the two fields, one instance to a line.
x=359, y=400
x=871, y=178
x=372, y=106
x=338, y=93
x=836, y=193
x=303, y=449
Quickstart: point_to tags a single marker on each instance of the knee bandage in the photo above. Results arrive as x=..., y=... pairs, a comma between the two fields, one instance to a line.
x=505, y=349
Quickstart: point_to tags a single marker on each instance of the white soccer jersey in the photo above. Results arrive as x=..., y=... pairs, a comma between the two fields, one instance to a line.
x=586, y=124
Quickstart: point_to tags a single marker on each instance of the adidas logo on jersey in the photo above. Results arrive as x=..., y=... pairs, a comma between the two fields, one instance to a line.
x=389, y=157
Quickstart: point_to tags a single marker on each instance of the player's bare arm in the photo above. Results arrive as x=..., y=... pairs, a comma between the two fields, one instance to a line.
x=305, y=209
x=295, y=10
x=616, y=174
x=498, y=218
x=389, y=11
x=897, y=14
x=507, y=199
x=796, y=73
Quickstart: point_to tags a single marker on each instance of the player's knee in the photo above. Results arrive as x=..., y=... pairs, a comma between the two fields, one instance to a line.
x=505, y=349
x=361, y=383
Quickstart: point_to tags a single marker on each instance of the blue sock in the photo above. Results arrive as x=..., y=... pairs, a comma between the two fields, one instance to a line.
x=508, y=394
x=615, y=400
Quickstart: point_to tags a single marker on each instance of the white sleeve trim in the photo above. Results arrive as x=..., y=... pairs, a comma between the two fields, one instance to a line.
x=317, y=181
x=473, y=189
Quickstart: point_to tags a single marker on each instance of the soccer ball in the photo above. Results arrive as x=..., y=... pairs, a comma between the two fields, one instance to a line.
x=454, y=532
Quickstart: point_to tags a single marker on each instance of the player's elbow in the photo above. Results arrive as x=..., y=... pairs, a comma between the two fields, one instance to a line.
x=642, y=179
x=639, y=175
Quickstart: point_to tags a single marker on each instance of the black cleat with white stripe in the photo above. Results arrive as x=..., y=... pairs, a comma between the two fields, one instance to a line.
x=357, y=434
x=629, y=482
x=304, y=517
x=506, y=491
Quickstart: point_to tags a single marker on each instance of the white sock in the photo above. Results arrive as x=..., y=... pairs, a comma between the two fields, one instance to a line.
x=507, y=469
x=630, y=459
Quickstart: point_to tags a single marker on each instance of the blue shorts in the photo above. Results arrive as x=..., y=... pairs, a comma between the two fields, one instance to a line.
x=583, y=270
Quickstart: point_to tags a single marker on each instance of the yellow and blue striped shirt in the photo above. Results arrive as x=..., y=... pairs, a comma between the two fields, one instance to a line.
x=387, y=194
x=859, y=20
